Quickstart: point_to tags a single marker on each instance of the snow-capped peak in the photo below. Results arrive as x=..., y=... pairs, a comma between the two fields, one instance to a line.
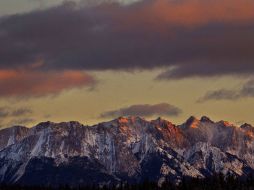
x=127, y=148
x=206, y=119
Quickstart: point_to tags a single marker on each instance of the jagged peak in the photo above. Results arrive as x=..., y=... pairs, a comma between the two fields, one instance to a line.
x=161, y=121
x=246, y=126
x=206, y=119
x=50, y=124
x=123, y=120
x=72, y=123
x=248, y=129
x=226, y=123
x=192, y=122
x=44, y=124
x=127, y=119
x=192, y=118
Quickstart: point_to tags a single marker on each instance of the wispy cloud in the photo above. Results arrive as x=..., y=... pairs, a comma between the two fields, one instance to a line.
x=247, y=90
x=21, y=112
x=3, y=112
x=144, y=110
x=11, y=112
x=10, y=116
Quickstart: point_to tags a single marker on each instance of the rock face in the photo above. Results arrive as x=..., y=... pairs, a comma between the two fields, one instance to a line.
x=127, y=149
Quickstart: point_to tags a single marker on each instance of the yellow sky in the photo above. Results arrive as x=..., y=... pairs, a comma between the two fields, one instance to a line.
x=117, y=90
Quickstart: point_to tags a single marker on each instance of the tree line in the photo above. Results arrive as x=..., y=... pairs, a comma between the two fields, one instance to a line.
x=216, y=182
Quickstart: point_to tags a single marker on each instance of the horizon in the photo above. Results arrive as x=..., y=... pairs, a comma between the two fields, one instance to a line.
x=131, y=117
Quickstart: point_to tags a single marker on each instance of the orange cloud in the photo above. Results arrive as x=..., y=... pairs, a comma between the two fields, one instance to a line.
x=36, y=83
x=192, y=12
x=193, y=38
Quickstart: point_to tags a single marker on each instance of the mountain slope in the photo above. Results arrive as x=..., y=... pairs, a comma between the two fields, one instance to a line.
x=125, y=149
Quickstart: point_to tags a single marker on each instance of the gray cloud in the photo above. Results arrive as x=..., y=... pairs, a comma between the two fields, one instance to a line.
x=221, y=94
x=3, y=112
x=144, y=110
x=21, y=112
x=111, y=36
x=247, y=91
x=19, y=116
x=9, y=112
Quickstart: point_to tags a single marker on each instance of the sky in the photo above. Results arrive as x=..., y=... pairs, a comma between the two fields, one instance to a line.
x=95, y=60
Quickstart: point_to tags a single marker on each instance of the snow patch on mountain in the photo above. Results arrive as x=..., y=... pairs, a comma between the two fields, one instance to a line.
x=129, y=149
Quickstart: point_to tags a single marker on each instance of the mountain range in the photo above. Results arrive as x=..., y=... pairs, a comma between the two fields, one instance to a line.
x=127, y=149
